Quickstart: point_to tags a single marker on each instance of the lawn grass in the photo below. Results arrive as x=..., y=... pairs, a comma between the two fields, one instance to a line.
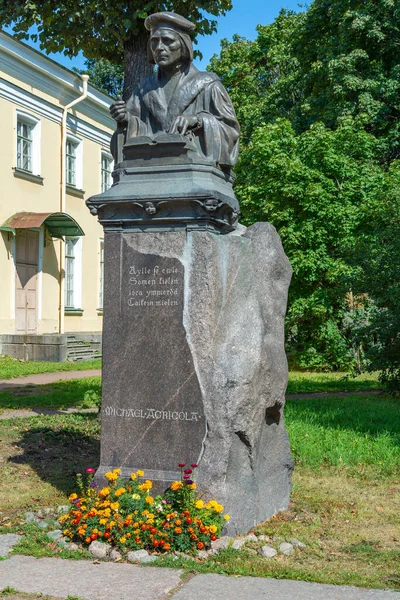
x=305, y=382
x=345, y=501
x=11, y=367
x=84, y=393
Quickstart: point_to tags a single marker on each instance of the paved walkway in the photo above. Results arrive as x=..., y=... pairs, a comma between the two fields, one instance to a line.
x=103, y=581
x=45, y=378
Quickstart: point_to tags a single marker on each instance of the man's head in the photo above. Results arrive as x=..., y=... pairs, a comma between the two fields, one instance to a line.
x=170, y=43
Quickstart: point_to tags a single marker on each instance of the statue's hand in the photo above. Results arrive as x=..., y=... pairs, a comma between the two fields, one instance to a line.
x=183, y=123
x=119, y=112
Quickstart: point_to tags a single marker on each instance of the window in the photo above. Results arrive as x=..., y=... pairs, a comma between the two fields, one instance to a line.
x=106, y=170
x=73, y=162
x=73, y=272
x=28, y=143
x=101, y=286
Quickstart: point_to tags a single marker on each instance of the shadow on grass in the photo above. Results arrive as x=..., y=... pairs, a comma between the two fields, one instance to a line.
x=60, y=395
x=58, y=453
x=370, y=415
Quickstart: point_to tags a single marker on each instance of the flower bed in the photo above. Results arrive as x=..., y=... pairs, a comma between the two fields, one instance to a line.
x=125, y=515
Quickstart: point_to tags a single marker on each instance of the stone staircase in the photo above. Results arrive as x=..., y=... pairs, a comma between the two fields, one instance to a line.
x=83, y=347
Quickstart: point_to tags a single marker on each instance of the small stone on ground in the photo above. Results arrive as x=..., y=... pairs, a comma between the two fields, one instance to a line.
x=268, y=551
x=286, y=548
x=98, y=549
x=7, y=541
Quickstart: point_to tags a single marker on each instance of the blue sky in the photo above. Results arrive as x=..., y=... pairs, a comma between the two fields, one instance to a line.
x=242, y=19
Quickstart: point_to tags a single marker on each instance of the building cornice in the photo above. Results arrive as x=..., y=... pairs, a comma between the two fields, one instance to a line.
x=35, y=69
x=34, y=104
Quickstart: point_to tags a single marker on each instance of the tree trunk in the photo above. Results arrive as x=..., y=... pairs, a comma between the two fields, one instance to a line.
x=137, y=66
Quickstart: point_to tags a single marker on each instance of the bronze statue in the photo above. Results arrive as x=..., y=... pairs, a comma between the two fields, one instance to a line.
x=178, y=99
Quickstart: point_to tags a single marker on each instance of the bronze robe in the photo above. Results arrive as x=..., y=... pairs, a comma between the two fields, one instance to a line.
x=195, y=93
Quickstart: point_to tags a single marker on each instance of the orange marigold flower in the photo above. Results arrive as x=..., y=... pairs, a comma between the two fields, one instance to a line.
x=213, y=537
x=150, y=500
x=120, y=491
x=140, y=473
x=176, y=485
x=107, y=535
x=87, y=540
x=200, y=545
x=193, y=537
x=167, y=546
x=178, y=530
x=178, y=522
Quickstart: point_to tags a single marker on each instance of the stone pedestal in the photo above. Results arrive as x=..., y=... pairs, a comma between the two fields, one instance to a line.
x=194, y=368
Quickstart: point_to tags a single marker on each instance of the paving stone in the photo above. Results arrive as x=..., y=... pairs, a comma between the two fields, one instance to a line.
x=7, y=541
x=136, y=555
x=99, y=549
x=220, y=587
x=87, y=581
x=286, y=548
x=268, y=551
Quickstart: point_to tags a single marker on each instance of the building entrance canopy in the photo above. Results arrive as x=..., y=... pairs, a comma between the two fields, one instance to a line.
x=58, y=224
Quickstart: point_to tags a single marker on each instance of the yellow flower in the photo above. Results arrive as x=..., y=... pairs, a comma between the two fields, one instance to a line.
x=111, y=476
x=63, y=518
x=140, y=473
x=114, y=505
x=213, y=503
x=136, y=496
x=117, y=471
x=103, y=521
x=176, y=485
x=122, y=539
x=104, y=492
x=120, y=491
x=149, y=500
x=133, y=476
x=199, y=504
x=213, y=529
x=72, y=497
x=107, y=512
x=192, y=486
x=112, y=523
x=226, y=517
x=219, y=508
x=146, y=486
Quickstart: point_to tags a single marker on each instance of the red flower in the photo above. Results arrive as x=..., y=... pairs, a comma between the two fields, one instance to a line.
x=188, y=471
x=153, y=530
x=194, y=465
x=181, y=465
x=188, y=520
x=90, y=470
x=213, y=537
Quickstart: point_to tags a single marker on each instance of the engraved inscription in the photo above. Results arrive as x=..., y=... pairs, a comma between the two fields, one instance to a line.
x=154, y=286
x=152, y=413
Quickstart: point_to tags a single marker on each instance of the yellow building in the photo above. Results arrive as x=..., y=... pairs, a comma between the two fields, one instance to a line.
x=53, y=157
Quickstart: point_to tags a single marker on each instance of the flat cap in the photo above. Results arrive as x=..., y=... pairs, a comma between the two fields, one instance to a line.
x=170, y=20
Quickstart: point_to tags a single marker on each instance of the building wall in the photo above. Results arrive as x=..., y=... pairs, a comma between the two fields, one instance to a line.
x=33, y=84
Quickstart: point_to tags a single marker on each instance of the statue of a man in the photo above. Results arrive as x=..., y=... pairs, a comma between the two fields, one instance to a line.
x=179, y=99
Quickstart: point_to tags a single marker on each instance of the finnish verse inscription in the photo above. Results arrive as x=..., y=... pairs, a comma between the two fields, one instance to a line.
x=155, y=286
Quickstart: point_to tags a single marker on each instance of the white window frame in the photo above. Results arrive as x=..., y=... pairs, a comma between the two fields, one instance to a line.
x=106, y=156
x=77, y=275
x=78, y=144
x=36, y=131
x=101, y=274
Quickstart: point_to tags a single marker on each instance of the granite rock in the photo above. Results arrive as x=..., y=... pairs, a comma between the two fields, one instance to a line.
x=251, y=537
x=296, y=543
x=238, y=543
x=115, y=555
x=55, y=535
x=220, y=544
x=194, y=367
x=286, y=548
x=7, y=541
x=268, y=551
x=137, y=555
x=99, y=549
x=30, y=517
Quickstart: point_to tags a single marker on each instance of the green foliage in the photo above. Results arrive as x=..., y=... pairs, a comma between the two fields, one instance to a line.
x=106, y=76
x=12, y=367
x=102, y=30
x=317, y=97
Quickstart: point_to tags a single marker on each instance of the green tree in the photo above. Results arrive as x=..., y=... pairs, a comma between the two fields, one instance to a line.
x=110, y=30
x=313, y=187
x=348, y=53
x=106, y=76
